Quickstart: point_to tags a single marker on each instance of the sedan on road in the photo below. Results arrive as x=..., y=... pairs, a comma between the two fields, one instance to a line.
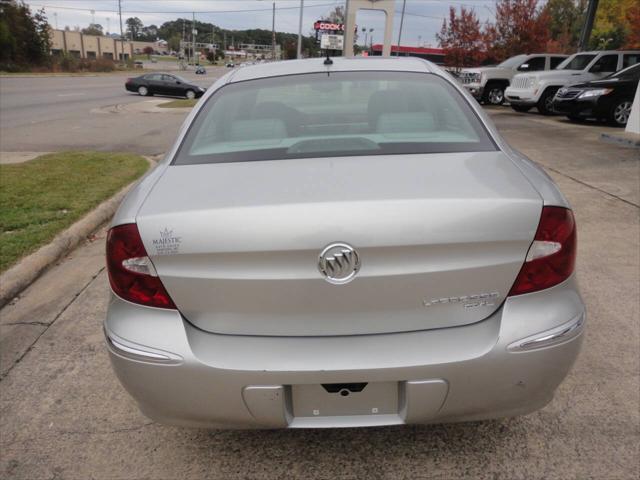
x=608, y=99
x=342, y=243
x=163, y=84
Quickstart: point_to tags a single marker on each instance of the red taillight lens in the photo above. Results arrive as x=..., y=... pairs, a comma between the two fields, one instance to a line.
x=131, y=273
x=552, y=255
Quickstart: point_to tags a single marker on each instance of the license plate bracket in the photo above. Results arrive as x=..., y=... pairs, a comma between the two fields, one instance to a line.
x=376, y=398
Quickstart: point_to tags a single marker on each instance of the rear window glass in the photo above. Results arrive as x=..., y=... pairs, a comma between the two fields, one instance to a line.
x=341, y=114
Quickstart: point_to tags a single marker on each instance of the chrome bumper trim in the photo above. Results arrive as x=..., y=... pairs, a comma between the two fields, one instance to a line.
x=141, y=355
x=548, y=338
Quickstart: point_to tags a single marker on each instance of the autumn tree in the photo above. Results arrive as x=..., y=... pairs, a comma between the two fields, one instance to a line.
x=614, y=23
x=565, y=20
x=520, y=27
x=632, y=15
x=461, y=38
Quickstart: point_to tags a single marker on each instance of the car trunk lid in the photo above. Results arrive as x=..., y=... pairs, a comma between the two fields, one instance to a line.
x=440, y=237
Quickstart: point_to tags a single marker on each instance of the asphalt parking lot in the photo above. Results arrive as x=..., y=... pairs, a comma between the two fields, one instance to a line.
x=65, y=416
x=47, y=114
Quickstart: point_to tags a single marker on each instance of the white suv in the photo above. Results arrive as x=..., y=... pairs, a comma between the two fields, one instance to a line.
x=487, y=84
x=529, y=90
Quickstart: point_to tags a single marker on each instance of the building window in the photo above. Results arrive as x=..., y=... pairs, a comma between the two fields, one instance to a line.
x=74, y=53
x=107, y=55
x=91, y=55
x=56, y=52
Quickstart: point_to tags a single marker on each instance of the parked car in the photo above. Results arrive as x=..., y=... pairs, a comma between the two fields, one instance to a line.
x=230, y=65
x=200, y=70
x=487, y=84
x=163, y=84
x=307, y=257
x=529, y=90
x=607, y=99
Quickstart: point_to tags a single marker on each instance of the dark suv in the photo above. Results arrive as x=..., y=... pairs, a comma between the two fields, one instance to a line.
x=609, y=99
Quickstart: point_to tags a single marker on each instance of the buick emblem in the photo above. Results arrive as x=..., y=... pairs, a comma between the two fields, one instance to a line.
x=339, y=263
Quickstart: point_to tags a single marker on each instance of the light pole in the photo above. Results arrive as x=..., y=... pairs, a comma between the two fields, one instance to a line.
x=364, y=29
x=273, y=33
x=299, y=53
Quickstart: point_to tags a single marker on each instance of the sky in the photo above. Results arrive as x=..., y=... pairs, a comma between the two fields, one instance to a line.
x=423, y=18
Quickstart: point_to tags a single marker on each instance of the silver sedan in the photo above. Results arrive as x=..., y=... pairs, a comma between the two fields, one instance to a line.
x=339, y=245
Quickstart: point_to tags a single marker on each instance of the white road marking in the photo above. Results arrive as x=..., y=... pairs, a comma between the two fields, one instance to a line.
x=70, y=94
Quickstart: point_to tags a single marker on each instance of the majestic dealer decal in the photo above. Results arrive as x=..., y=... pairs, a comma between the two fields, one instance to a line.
x=167, y=244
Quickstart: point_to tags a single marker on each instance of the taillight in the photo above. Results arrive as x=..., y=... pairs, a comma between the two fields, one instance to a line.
x=131, y=273
x=552, y=255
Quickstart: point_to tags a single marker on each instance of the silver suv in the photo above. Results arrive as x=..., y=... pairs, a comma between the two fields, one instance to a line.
x=487, y=84
x=529, y=90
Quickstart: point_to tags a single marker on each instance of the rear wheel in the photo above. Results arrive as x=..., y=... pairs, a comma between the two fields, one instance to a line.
x=143, y=91
x=190, y=94
x=521, y=108
x=546, y=101
x=620, y=113
x=493, y=94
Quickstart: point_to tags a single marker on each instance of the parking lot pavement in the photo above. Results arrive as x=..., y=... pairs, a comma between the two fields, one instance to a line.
x=64, y=415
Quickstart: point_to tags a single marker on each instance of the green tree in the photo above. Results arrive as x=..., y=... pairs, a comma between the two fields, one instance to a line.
x=174, y=42
x=24, y=37
x=93, y=29
x=134, y=27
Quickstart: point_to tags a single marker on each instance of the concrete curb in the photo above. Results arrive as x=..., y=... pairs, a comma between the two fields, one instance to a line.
x=21, y=275
x=624, y=139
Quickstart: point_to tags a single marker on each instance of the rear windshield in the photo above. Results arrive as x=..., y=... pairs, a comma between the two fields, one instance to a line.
x=577, y=62
x=328, y=115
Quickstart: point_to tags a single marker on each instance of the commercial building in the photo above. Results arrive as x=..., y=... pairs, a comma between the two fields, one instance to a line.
x=435, y=55
x=95, y=46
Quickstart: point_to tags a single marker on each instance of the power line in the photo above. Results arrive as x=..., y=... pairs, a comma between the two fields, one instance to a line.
x=169, y=12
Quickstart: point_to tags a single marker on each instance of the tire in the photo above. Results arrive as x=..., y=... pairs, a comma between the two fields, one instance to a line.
x=521, y=108
x=620, y=112
x=493, y=94
x=544, y=103
x=190, y=94
x=575, y=118
x=143, y=91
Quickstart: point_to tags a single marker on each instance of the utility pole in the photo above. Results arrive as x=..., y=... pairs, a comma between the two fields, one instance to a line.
x=121, y=34
x=273, y=33
x=404, y=4
x=299, y=55
x=585, y=34
x=194, y=32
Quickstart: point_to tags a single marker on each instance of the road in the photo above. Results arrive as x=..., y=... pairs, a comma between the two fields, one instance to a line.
x=65, y=416
x=56, y=113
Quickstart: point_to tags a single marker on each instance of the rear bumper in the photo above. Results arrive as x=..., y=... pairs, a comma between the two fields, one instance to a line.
x=508, y=364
